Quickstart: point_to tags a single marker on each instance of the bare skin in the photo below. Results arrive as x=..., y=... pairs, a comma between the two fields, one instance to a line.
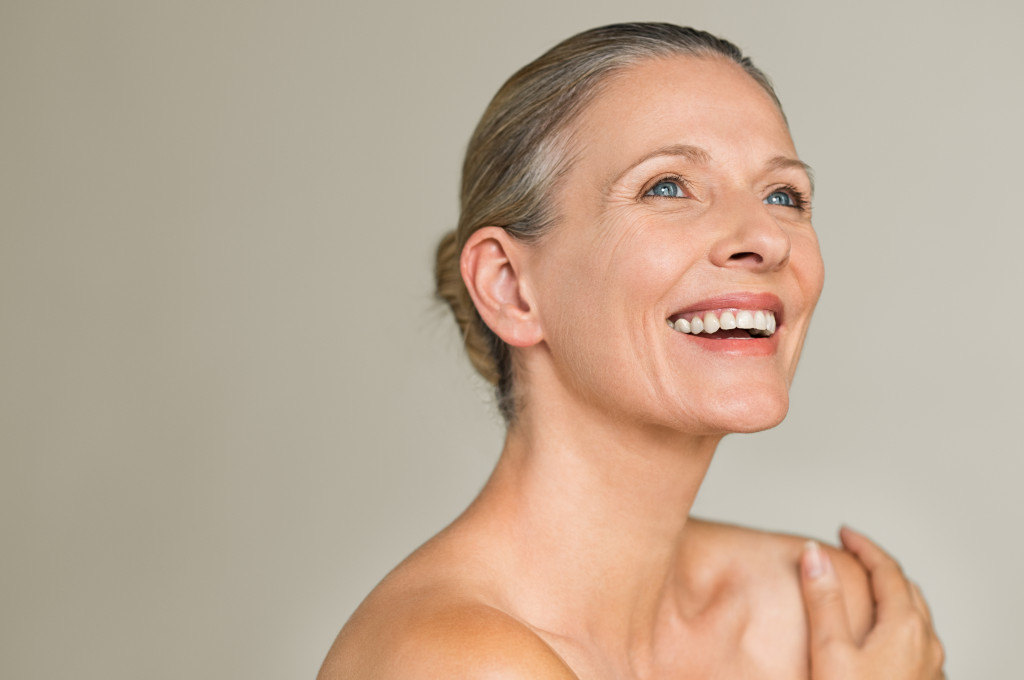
x=579, y=558
x=438, y=610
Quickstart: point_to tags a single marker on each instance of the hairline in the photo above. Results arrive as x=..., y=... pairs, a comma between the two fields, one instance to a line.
x=563, y=140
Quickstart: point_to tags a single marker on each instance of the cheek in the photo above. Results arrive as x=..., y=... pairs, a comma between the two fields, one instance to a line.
x=809, y=267
x=809, y=273
x=643, y=263
x=596, y=304
x=597, y=273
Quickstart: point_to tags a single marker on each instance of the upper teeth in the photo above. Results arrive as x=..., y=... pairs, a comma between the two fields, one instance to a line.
x=757, y=321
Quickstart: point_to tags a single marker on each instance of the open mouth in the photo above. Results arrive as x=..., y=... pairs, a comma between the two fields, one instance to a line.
x=726, y=323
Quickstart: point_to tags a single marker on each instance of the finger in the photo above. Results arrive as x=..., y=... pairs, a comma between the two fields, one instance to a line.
x=823, y=598
x=889, y=585
x=917, y=597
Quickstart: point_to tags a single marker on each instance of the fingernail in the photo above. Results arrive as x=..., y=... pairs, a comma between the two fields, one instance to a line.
x=814, y=560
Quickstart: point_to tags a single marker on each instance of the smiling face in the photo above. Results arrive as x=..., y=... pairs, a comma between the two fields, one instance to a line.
x=685, y=208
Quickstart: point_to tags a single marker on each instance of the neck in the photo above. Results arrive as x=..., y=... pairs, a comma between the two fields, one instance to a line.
x=590, y=513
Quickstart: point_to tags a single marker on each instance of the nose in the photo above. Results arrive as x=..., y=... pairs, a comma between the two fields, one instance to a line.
x=750, y=238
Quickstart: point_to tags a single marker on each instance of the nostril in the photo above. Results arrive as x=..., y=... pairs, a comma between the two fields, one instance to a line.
x=744, y=256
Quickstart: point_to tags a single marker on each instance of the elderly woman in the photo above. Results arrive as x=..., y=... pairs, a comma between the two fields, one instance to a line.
x=635, y=270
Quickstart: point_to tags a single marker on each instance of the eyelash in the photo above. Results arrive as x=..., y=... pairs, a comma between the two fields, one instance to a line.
x=800, y=200
x=683, y=186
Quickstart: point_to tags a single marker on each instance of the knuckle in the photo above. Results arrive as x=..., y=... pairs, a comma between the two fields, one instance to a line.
x=917, y=627
x=913, y=630
x=938, y=654
x=833, y=648
x=828, y=599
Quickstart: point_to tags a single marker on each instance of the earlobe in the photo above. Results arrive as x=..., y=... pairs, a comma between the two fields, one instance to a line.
x=491, y=269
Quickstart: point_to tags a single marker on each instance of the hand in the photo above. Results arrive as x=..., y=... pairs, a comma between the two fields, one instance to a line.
x=902, y=645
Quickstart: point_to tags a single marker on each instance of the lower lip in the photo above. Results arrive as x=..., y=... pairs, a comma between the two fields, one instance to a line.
x=753, y=347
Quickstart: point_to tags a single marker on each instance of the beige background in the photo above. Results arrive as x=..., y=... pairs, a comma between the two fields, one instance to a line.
x=228, y=404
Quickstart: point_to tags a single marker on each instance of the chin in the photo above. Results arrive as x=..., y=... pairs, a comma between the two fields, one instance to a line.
x=741, y=414
x=757, y=414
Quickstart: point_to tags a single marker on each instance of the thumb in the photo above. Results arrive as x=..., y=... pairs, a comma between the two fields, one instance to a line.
x=823, y=597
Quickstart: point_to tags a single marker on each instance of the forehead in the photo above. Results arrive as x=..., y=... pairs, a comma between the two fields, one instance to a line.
x=707, y=102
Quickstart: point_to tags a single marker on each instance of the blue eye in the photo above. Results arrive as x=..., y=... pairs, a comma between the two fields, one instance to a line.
x=780, y=198
x=668, y=188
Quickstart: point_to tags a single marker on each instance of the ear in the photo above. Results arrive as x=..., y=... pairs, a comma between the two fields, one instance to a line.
x=491, y=268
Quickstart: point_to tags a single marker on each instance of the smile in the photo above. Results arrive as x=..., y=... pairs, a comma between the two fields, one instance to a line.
x=726, y=323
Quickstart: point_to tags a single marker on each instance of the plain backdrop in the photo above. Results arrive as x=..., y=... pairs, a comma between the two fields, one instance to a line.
x=229, y=404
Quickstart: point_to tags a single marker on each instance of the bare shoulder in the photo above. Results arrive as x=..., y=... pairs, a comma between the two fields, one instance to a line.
x=403, y=633
x=778, y=556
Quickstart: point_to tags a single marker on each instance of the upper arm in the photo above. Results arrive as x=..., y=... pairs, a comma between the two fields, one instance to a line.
x=468, y=641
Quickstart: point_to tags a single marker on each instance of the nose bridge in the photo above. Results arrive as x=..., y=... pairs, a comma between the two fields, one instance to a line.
x=749, y=236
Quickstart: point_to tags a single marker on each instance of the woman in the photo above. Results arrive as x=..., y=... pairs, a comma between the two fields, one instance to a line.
x=635, y=269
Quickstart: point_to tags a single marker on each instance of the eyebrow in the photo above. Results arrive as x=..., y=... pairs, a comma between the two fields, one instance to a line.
x=697, y=155
x=785, y=163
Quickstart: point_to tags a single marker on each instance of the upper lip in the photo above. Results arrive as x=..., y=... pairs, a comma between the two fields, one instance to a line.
x=751, y=301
